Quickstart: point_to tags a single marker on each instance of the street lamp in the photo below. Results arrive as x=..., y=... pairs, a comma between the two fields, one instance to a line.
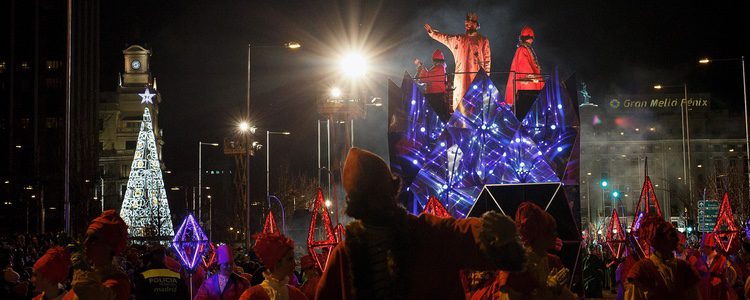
x=741, y=59
x=685, y=123
x=200, y=176
x=288, y=45
x=268, y=156
x=246, y=129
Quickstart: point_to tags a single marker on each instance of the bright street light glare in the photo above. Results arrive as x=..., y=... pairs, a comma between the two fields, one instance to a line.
x=335, y=92
x=244, y=126
x=292, y=45
x=658, y=86
x=354, y=65
x=704, y=61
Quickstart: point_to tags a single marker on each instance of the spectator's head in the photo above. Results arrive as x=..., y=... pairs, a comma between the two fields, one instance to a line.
x=225, y=259
x=276, y=252
x=105, y=237
x=536, y=227
x=308, y=266
x=708, y=243
x=50, y=269
x=659, y=234
x=370, y=186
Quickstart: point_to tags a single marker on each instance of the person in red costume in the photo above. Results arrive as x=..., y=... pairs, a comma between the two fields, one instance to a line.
x=661, y=275
x=276, y=252
x=540, y=280
x=311, y=272
x=224, y=285
x=390, y=254
x=95, y=276
x=524, y=70
x=716, y=272
x=434, y=81
x=49, y=272
x=471, y=52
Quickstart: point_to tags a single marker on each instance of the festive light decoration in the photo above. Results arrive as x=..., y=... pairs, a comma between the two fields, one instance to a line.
x=435, y=208
x=329, y=239
x=726, y=231
x=483, y=143
x=145, y=208
x=615, y=235
x=643, y=209
x=146, y=97
x=270, y=225
x=190, y=242
x=340, y=231
x=209, y=256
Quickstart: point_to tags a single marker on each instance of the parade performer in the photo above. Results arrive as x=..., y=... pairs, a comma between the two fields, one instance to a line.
x=716, y=272
x=224, y=285
x=538, y=230
x=661, y=276
x=524, y=69
x=50, y=271
x=106, y=237
x=390, y=254
x=276, y=252
x=471, y=51
x=311, y=273
x=434, y=81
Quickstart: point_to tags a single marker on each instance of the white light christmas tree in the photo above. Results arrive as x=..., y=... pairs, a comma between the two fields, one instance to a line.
x=145, y=208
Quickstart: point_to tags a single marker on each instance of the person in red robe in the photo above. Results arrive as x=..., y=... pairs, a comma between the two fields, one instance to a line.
x=311, y=273
x=95, y=275
x=471, y=52
x=525, y=72
x=50, y=271
x=716, y=272
x=434, y=80
x=226, y=284
x=276, y=252
x=661, y=275
x=389, y=253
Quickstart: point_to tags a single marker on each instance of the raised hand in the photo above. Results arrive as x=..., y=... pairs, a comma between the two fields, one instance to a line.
x=428, y=28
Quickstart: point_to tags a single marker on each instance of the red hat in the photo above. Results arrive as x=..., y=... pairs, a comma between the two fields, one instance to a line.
x=367, y=173
x=526, y=31
x=53, y=265
x=270, y=248
x=532, y=221
x=708, y=240
x=224, y=252
x=111, y=228
x=307, y=261
x=438, y=55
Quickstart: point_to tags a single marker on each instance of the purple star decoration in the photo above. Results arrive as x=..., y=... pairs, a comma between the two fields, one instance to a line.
x=190, y=242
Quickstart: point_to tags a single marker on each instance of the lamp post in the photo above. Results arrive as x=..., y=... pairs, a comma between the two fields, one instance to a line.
x=283, y=214
x=246, y=129
x=685, y=123
x=250, y=46
x=268, y=159
x=741, y=59
x=200, y=176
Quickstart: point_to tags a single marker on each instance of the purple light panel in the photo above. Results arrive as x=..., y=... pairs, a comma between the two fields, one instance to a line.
x=189, y=242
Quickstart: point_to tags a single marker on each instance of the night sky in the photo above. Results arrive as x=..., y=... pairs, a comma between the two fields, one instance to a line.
x=200, y=57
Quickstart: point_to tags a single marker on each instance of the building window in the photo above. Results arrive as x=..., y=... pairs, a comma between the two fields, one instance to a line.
x=53, y=64
x=133, y=124
x=50, y=123
x=2, y=67
x=25, y=66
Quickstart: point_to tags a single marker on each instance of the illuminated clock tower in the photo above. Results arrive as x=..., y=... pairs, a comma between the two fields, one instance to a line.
x=136, y=66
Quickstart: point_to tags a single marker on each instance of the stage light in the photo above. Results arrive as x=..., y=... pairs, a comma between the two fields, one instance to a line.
x=335, y=92
x=354, y=65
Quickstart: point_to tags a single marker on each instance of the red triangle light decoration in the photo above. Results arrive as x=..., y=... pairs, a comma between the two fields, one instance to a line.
x=435, y=208
x=270, y=226
x=210, y=254
x=643, y=209
x=726, y=217
x=324, y=245
x=615, y=235
x=340, y=232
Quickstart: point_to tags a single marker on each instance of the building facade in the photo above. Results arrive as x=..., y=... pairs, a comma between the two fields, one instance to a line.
x=690, y=151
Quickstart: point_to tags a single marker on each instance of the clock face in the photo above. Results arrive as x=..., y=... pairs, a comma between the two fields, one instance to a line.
x=135, y=64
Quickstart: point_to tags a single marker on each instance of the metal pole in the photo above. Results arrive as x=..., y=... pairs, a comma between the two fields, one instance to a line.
x=352, y=133
x=68, y=79
x=268, y=156
x=210, y=217
x=684, y=157
x=102, y=193
x=747, y=136
x=687, y=134
x=328, y=137
x=200, y=177
x=247, y=153
x=319, y=166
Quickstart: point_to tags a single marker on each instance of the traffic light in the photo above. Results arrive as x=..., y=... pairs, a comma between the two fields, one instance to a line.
x=616, y=194
x=605, y=181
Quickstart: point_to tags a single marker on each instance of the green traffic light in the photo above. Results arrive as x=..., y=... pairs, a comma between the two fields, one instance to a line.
x=605, y=183
x=615, y=194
